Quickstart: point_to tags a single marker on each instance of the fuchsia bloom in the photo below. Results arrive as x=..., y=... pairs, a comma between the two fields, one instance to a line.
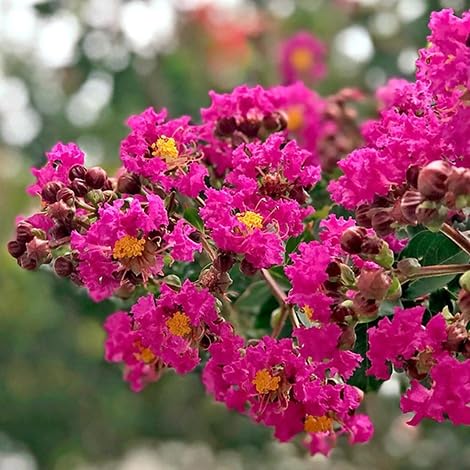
x=274, y=178
x=59, y=161
x=125, y=243
x=448, y=396
x=234, y=118
x=307, y=274
x=288, y=390
x=403, y=339
x=164, y=151
x=302, y=56
x=163, y=332
x=304, y=109
x=241, y=229
x=445, y=63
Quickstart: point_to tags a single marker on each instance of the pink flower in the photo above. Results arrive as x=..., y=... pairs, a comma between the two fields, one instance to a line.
x=121, y=245
x=302, y=56
x=241, y=229
x=307, y=274
x=304, y=110
x=165, y=152
x=125, y=343
x=404, y=338
x=59, y=161
x=447, y=396
x=180, y=242
x=233, y=118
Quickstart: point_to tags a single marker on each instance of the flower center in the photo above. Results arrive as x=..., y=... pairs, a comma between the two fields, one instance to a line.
x=265, y=382
x=315, y=424
x=250, y=220
x=165, y=148
x=295, y=118
x=179, y=324
x=128, y=247
x=145, y=354
x=308, y=311
x=302, y=59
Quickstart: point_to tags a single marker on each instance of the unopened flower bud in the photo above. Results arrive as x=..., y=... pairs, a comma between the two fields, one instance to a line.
x=408, y=205
x=275, y=317
x=79, y=187
x=432, y=180
x=226, y=126
x=63, y=266
x=458, y=182
x=382, y=223
x=96, y=177
x=431, y=215
x=365, y=309
x=24, y=232
x=94, y=197
x=347, y=339
x=274, y=122
x=464, y=281
x=385, y=258
x=333, y=270
x=66, y=195
x=373, y=283
x=363, y=217
x=28, y=263
x=172, y=280
x=49, y=191
x=343, y=312
x=372, y=246
x=249, y=127
x=412, y=174
x=247, y=268
x=16, y=248
x=61, y=212
x=394, y=292
x=39, y=251
x=352, y=239
x=457, y=334
x=128, y=183
x=464, y=302
x=224, y=261
x=60, y=230
x=77, y=171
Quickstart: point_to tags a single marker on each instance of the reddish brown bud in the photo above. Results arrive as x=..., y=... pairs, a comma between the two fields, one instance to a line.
x=63, y=266
x=365, y=309
x=432, y=180
x=249, y=127
x=333, y=269
x=363, y=216
x=24, y=232
x=38, y=250
x=79, y=187
x=16, y=248
x=224, y=262
x=66, y=195
x=274, y=122
x=458, y=182
x=129, y=183
x=96, y=177
x=247, y=268
x=27, y=262
x=60, y=211
x=408, y=205
x=347, y=339
x=352, y=239
x=77, y=171
x=226, y=126
x=49, y=191
x=373, y=283
x=456, y=335
x=372, y=246
x=382, y=223
x=412, y=174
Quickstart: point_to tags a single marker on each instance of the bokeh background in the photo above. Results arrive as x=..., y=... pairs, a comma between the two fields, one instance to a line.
x=73, y=70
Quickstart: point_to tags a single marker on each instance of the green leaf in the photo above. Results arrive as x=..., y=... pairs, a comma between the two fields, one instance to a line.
x=360, y=379
x=253, y=297
x=432, y=249
x=191, y=214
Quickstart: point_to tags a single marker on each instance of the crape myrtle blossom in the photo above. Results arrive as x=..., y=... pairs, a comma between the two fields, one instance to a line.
x=440, y=385
x=161, y=332
x=302, y=56
x=126, y=245
x=164, y=151
x=286, y=388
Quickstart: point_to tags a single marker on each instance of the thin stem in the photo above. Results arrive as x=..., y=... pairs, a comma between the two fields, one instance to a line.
x=286, y=309
x=438, y=270
x=457, y=237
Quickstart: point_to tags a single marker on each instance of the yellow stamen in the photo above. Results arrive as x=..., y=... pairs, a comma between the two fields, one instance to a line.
x=165, y=148
x=308, y=311
x=295, y=118
x=315, y=424
x=265, y=382
x=144, y=354
x=250, y=220
x=128, y=247
x=179, y=324
x=302, y=59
